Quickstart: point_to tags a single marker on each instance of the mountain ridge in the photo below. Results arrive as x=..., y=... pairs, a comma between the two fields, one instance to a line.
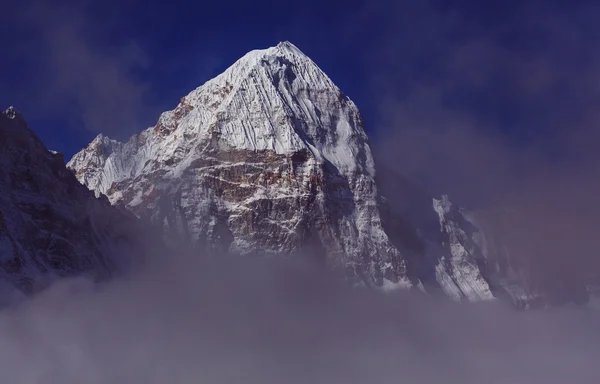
x=50, y=225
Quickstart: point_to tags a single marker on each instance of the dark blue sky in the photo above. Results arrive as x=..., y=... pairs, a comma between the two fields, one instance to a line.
x=443, y=78
x=151, y=53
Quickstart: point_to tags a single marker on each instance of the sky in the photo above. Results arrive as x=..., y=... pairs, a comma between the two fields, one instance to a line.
x=457, y=87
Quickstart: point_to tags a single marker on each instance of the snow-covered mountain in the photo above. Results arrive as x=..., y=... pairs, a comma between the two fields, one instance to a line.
x=51, y=225
x=271, y=157
x=268, y=157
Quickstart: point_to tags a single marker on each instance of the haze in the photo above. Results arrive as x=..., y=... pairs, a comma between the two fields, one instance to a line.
x=194, y=320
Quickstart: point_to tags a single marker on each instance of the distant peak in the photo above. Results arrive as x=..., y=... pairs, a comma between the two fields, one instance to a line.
x=101, y=139
x=11, y=112
x=97, y=140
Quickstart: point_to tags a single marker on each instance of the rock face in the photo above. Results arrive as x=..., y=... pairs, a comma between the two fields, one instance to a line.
x=51, y=225
x=271, y=157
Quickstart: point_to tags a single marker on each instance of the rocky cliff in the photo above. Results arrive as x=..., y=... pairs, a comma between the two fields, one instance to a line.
x=51, y=225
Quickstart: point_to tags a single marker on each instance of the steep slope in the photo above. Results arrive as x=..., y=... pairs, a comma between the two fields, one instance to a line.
x=271, y=157
x=51, y=225
x=436, y=239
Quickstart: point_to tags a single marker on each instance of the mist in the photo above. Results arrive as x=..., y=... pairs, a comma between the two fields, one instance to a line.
x=188, y=319
x=495, y=106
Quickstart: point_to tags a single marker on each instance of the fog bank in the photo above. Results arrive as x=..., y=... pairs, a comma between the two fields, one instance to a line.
x=192, y=321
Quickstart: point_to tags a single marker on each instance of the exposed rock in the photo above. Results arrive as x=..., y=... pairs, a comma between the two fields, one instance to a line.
x=51, y=225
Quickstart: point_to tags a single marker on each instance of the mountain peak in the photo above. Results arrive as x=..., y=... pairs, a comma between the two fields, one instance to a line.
x=11, y=112
x=286, y=46
x=269, y=60
x=284, y=87
x=282, y=49
x=255, y=160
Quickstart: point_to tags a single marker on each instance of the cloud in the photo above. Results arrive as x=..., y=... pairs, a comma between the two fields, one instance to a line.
x=190, y=320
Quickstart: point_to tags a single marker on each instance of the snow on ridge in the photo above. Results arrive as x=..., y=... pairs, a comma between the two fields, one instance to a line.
x=98, y=165
x=278, y=80
x=458, y=274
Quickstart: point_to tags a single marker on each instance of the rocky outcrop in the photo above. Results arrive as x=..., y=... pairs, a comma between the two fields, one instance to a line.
x=51, y=225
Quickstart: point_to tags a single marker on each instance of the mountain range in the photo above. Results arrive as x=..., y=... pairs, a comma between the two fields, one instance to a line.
x=270, y=158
